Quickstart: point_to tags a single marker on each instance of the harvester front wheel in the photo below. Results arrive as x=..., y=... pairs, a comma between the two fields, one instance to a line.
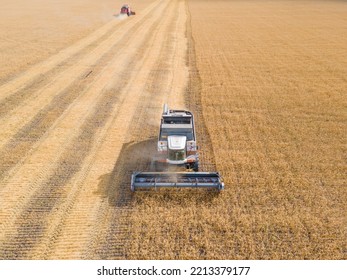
x=193, y=166
x=196, y=166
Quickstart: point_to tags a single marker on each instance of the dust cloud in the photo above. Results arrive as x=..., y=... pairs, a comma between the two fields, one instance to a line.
x=121, y=16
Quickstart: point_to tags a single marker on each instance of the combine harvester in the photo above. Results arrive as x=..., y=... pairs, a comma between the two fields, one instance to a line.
x=126, y=10
x=177, y=147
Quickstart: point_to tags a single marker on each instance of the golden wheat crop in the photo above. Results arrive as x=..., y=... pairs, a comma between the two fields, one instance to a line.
x=80, y=109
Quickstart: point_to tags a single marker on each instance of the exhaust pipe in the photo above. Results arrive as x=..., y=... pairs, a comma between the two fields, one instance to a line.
x=165, y=109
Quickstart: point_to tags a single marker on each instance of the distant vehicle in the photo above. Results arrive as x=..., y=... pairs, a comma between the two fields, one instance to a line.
x=126, y=10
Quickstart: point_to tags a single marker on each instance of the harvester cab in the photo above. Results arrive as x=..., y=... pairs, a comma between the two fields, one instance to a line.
x=177, y=147
x=176, y=141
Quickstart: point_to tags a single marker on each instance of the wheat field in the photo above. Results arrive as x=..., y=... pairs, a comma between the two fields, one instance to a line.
x=273, y=92
x=81, y=93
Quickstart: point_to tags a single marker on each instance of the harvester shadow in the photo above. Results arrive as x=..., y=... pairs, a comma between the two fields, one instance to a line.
x=115, y=186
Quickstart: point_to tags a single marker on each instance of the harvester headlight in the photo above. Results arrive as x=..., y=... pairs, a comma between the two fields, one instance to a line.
x=162, y=146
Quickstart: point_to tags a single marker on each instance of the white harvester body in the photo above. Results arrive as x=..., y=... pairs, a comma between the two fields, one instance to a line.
x=177, y=139
x=176, y=146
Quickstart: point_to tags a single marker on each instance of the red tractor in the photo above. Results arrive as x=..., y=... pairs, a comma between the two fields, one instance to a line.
x=126, y=10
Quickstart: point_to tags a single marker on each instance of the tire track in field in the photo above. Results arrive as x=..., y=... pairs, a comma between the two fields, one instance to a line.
x=137, y=155
x=86, y=98
x=78, y=211
x=193, y=102
x=17, y=148
x=42, y=68
x=18, y=117
x=32, y=222
x=37, y=72
x=42, y=79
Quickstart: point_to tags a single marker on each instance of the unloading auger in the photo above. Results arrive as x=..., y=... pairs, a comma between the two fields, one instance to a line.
x=176, y=146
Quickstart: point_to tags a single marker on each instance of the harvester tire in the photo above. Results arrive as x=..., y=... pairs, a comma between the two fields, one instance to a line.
x=196, y=167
